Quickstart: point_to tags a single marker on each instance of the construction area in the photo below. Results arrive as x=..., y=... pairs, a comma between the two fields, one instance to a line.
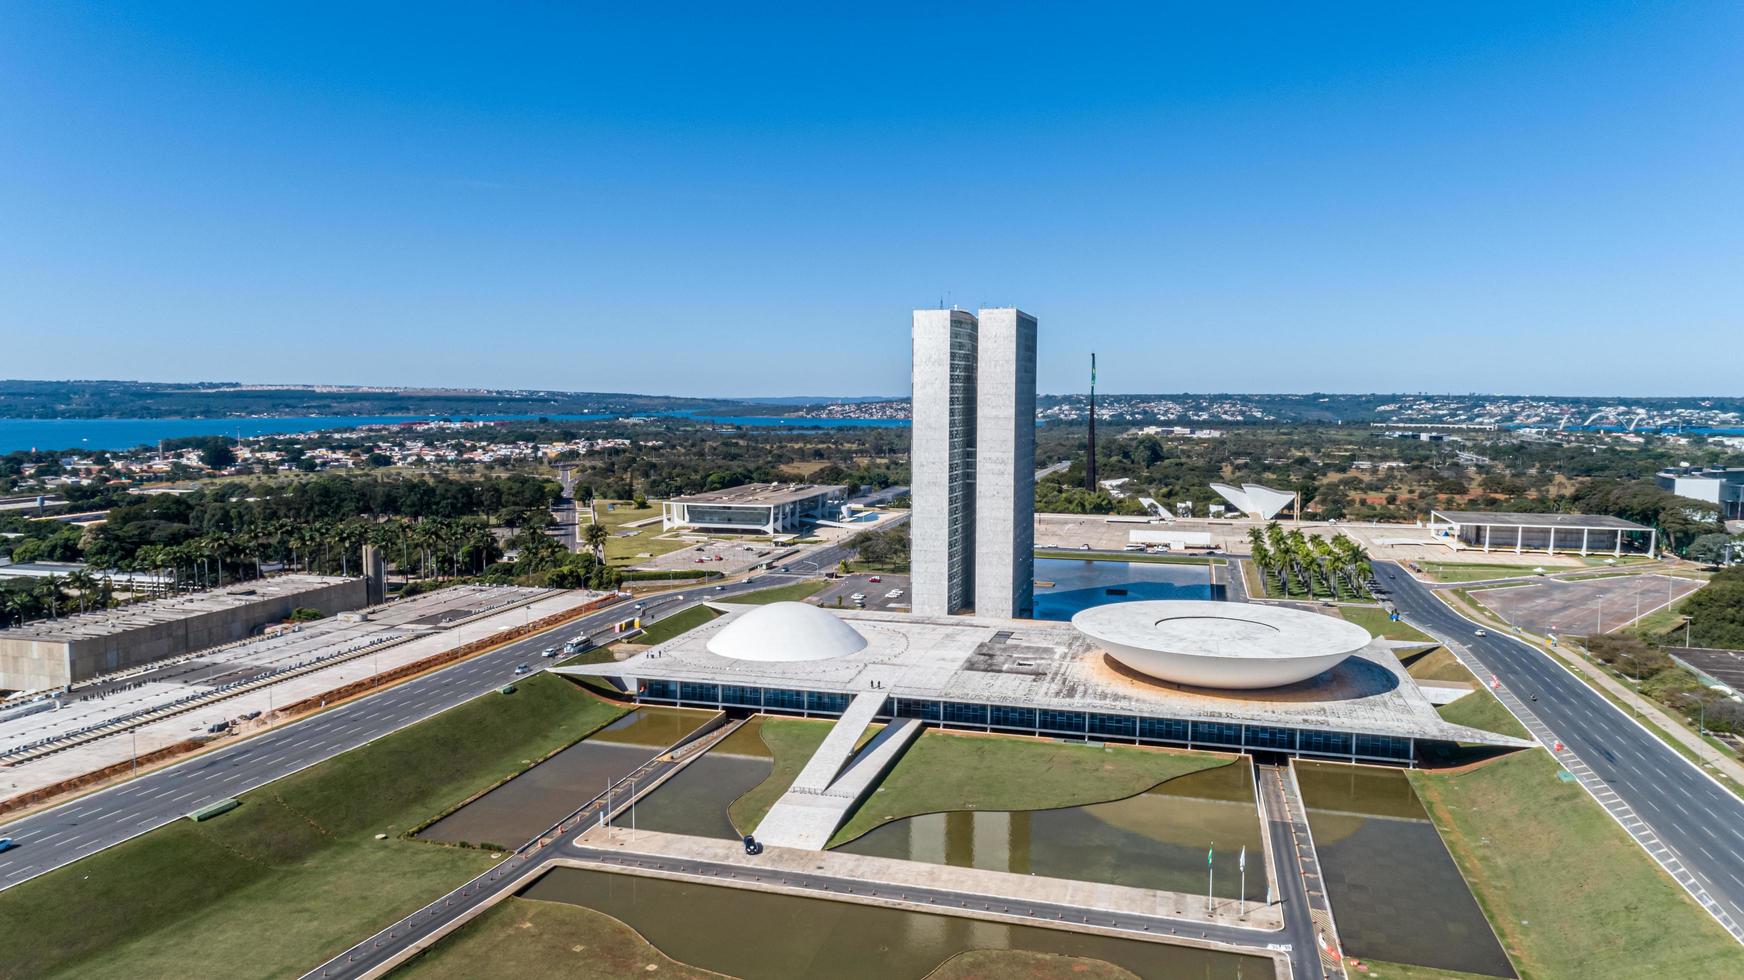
x=54, y=653
x=44, y=741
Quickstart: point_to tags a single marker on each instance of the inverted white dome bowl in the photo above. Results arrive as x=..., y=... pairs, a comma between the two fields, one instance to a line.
x=1237, y=645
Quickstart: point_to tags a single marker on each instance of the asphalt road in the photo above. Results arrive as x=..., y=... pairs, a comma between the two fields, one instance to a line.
x=57, y=837
x=1697, y=819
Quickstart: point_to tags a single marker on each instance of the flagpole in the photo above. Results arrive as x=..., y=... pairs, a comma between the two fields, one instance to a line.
x=1243, y=897
x=1210, y=871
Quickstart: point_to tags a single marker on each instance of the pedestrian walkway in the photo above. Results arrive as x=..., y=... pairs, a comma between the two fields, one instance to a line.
x=807, y=815
x=865, y=871
x=1288, y=824
x=838, y=746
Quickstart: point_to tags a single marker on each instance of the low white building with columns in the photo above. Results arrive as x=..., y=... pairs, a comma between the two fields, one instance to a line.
x=758, y=508
x=1569, y=534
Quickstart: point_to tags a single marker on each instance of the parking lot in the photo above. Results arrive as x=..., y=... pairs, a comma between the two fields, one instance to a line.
x=877, y=593
x=1584, y=606
x=1725, y=666
x=727, y=557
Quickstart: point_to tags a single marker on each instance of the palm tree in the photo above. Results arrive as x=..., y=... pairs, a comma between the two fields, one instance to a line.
x=48, y=593
x=1324, y=556
x=596, y=536
x=84, y=584
x=20, y=603
x=1280, y=552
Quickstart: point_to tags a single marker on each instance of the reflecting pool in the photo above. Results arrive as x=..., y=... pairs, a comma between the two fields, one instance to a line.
x=1078, y=585
x=512, y=813
x=768, y=936
x=1158, y=839
x=1396, y=893
x=695, y=801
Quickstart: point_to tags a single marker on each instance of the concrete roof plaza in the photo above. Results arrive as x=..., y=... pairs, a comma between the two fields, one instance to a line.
x=757, y=494
x=1050, y=665
x=427, y=641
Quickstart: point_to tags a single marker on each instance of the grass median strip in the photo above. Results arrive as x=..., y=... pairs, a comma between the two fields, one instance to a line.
x=780, y=593
x=673, y=625
x=295, y=873
x=1374, y=619
x=1568, y=892
x=944, y=771
x=1480, y=709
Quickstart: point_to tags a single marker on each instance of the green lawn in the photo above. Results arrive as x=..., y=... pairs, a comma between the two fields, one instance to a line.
x=1480, y=709
x=1024, y=964
x=626, y=549
x=1374, y=619
x=294, y=874
x=1402, y=971
x=780, y=593
x=1435, y=665
x=944, y=771
x=675, y=624
x=1454, y=571
x=524, y=937
x=1569, y=894
x=1662, y=625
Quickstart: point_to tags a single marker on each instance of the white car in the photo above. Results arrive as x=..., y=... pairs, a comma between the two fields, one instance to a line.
x=858, y=597
x=1481, y=633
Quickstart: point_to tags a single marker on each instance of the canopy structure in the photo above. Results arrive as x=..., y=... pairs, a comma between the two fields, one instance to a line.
x=1261, y=503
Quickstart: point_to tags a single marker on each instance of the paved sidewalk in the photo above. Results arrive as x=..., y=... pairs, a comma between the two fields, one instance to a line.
x=1093, y=896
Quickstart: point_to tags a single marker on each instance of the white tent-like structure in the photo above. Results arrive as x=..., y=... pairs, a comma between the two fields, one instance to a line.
x=784, y=632
x=1260, y=503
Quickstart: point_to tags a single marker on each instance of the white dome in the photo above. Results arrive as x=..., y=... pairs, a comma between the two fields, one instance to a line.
x=1220, y=644
x=786, y=631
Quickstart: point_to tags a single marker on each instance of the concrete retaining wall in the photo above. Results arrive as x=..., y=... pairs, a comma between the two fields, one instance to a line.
x=43, y=664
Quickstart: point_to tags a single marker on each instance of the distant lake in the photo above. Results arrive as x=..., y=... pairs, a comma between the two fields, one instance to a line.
x=791, y=422
x=93, y=434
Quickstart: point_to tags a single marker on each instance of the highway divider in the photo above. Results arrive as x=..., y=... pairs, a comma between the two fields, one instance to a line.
x=444, y=658
x=211, y=810
x=43, y=794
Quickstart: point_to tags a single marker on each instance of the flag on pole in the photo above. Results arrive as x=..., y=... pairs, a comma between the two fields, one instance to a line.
x=1242, y=864
x=1208, y=854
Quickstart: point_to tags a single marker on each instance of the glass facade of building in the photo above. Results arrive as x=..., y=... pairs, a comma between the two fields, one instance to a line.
x=1021, y=720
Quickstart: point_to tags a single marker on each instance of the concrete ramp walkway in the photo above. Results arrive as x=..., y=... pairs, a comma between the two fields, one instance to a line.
x=838, y=746
x=808, y=814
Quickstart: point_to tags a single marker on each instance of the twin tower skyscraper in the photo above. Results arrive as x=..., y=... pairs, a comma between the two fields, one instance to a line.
x=972, y=463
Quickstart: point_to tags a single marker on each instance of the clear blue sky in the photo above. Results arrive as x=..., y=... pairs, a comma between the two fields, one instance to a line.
x=740, y=199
